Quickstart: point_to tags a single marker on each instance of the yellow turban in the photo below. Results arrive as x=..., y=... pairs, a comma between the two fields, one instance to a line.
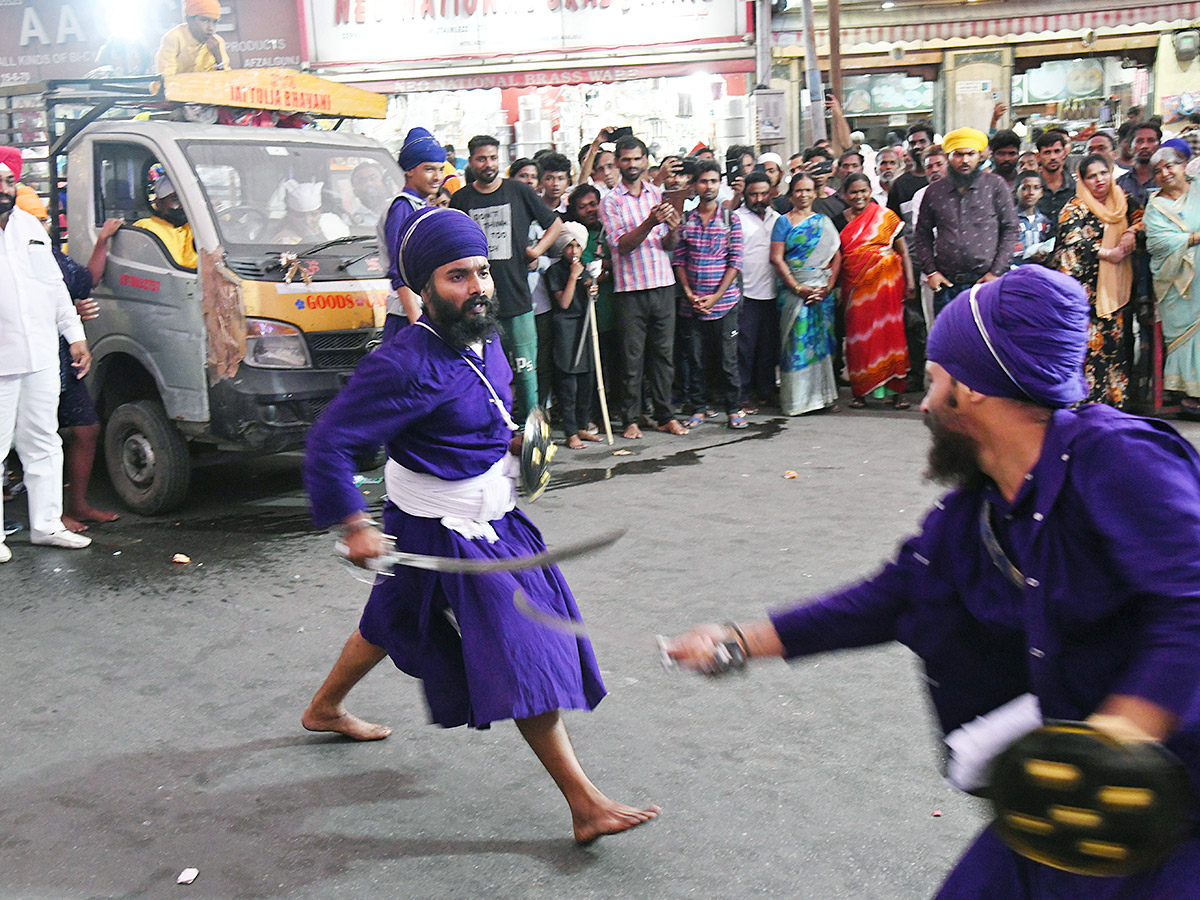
x=964, y=139
x=210, y=9
x=28, y=200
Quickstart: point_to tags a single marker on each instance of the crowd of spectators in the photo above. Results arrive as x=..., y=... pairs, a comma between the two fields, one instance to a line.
x=725, y=286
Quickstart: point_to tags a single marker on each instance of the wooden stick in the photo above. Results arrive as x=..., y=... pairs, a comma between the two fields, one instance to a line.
x=599, y=369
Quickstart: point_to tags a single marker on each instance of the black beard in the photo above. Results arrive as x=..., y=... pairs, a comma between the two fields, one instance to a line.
x=953, y=456
x=176, y=217
x=7, y=202
x=1005, y=170
x=962, y=179
x=458, y=329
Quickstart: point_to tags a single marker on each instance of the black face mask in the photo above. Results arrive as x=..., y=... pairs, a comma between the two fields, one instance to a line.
x=7, y=202
x=176, y=217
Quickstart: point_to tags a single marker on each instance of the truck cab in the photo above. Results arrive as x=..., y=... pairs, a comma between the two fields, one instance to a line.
x=239, y=350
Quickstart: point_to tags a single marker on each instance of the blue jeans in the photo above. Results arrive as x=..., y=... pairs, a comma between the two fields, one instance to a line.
x=943, y=295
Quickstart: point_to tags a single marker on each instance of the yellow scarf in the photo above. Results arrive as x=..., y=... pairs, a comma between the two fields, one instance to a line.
x=1116, y=279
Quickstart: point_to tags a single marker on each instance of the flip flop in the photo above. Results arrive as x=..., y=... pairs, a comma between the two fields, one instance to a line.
x=737, y=421
x=901, y=404
x=857, y=403
x=694, y=422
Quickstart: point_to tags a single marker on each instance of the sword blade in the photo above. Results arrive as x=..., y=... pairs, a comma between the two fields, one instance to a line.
x=577, y=628
x=384, y=563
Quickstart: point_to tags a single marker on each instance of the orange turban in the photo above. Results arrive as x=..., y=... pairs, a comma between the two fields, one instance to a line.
x=965, y=139
x=28, y=200
x=210, y=9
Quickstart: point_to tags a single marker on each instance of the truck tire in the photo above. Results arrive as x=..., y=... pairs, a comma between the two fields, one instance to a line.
x=146, y=457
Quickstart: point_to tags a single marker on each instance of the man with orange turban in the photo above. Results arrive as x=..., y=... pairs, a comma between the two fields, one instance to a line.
x=195, y=45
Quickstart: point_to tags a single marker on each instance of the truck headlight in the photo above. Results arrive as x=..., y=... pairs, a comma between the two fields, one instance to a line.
x=274, y=345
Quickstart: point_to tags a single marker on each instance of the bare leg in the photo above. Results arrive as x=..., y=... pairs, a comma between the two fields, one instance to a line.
x=592, y=814
x=326, y=712
x=81, y=454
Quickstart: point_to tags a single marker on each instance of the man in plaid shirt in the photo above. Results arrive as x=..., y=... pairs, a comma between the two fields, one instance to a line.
x=642, y=231
x=707, y=261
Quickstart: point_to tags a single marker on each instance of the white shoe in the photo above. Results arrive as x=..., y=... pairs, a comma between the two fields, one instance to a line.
x=5, y=553
x=67, y=540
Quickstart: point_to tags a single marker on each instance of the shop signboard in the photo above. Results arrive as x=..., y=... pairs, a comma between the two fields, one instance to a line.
x=42, y=40
x=770, y=116
x=367, y=31
x=865, y=95
x=1060, y=80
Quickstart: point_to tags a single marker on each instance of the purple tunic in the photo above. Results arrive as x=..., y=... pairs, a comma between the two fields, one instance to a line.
x=420, y=398
x=1105, y=534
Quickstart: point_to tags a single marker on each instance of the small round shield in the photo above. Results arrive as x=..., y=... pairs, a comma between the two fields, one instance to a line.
x=537, y=449
x=1071, y=797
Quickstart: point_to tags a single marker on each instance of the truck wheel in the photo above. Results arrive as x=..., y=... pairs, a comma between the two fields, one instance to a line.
x=147, y=458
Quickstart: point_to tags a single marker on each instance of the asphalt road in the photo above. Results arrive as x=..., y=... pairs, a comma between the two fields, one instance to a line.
x=149, y=719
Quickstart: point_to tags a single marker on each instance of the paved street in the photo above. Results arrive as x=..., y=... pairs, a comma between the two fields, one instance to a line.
x=150, y=716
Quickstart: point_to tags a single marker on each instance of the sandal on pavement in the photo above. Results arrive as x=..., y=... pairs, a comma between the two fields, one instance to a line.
x=694, y=421
x=901, y=403
x=737, y=420
x=857, y=403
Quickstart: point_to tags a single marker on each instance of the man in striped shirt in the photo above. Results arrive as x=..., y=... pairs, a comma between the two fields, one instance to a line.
x=642, y=231
x=707, y=261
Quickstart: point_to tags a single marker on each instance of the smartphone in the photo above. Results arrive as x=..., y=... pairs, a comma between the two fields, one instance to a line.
x=733, y=172
x=617, y=133
x=824, y=168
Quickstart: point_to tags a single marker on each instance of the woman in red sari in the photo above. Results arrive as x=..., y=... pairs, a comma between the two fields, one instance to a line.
x=876, y=277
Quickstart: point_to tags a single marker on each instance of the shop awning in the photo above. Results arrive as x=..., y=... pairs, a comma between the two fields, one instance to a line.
x=1162, y=15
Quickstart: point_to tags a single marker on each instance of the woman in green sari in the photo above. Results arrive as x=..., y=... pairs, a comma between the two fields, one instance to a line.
x=806, y=253
x=1172, y=223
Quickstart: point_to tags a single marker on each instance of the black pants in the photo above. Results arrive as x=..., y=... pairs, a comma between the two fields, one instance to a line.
x=545, y=358
x=646, y=322
x=573, y=394
x=711, y=346
x=915, y=334
x=758, y=349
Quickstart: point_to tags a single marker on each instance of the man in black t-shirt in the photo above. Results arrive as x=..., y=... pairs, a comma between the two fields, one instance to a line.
x=505, y=209
x=904, y=188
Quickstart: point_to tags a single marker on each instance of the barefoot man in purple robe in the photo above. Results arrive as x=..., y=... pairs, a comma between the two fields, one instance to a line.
x=439, y=397
x=1059, y=580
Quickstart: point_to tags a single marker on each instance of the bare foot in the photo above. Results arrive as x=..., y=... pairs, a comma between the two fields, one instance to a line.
x=672, y=427
x=342, y=722
x=632, y=432
x=608, y=817
x=589, y=436
x=73, y=525
x=91, y=514
x=574, y=443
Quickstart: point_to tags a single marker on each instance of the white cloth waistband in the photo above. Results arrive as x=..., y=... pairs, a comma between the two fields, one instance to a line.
x=466, y=507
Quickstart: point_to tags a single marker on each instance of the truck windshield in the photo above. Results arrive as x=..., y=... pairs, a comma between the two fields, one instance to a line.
x=269, y=195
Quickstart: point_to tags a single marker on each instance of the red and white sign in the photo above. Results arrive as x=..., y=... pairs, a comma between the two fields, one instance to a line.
x=380, y=31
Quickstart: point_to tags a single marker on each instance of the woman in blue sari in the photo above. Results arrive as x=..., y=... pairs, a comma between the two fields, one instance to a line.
x=1172, y=224
x=806, y=253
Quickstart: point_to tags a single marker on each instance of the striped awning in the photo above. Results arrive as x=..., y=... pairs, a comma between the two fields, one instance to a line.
x=1160, y=15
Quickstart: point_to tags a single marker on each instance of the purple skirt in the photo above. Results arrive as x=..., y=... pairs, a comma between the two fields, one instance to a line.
x=990, y=871
x=503, y=666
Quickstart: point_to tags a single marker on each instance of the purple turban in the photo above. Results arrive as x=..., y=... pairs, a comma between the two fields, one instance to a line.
x=1180, y=146
x=1022, y=336
x=434, y=237
x=420, y=147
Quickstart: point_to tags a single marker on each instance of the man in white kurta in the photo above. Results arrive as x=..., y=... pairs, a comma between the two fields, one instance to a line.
x=35, y=309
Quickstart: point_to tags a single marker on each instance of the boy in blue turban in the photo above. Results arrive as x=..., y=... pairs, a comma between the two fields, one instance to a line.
x=1062, y=571
x=438, y=396
x=423, y=160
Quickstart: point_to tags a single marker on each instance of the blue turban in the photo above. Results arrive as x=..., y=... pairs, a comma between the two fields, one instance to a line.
x=420, y=147
x=1180, y=146
x=1022, y=336
x=434, y=237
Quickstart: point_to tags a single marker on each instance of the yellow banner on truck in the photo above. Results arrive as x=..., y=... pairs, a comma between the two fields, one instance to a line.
x=284, y=90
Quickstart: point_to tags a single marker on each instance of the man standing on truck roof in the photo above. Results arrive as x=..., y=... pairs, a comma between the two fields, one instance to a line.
x=34, y=309
x=170, y=223
x=423, y=160
x=195, y=45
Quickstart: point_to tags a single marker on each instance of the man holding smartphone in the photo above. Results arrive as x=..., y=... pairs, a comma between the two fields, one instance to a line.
x=642, y=231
